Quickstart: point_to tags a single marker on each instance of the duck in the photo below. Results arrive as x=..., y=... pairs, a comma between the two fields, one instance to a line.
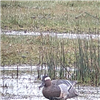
x=59, y=89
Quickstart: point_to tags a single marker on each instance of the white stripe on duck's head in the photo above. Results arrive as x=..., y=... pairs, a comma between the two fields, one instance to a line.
x=46, y=81
x=44, y=78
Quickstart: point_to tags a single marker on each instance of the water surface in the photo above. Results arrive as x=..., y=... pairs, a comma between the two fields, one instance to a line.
x=25, y=85
x=58, y=35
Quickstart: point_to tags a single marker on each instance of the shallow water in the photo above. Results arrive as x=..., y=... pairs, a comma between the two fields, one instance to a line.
x=25, y=86
x=58, y=35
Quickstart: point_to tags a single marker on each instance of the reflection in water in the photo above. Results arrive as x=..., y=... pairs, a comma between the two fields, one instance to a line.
x=26, y=86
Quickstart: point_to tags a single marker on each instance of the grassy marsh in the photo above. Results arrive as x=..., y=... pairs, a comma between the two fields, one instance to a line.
x=29, y=47
x=81, y=54
x=53, y=16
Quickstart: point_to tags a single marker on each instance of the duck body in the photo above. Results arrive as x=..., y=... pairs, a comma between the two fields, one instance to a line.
x=51, y=91
x=58, y=89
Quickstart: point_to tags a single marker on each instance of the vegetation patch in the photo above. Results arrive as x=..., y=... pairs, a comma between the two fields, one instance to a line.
x=52, y=16
x=56, y=53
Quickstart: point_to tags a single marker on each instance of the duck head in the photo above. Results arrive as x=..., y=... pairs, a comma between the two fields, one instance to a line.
x=46, y=81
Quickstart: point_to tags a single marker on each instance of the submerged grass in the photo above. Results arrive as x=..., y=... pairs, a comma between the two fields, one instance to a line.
x=53, y=16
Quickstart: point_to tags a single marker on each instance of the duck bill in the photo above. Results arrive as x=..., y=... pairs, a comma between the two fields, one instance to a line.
x=42, y=84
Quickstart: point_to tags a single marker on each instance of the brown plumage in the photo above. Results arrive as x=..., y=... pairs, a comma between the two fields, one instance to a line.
x=58, y=89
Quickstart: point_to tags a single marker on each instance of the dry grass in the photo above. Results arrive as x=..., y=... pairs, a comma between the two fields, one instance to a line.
x=28, y=47
x=55, y=16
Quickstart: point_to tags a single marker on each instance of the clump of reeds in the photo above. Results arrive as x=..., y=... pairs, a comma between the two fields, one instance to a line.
x=82, y=54
x=88, y=60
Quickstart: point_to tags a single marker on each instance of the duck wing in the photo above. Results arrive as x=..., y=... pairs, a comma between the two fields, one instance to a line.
x=67, y=87
x=67, y=82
